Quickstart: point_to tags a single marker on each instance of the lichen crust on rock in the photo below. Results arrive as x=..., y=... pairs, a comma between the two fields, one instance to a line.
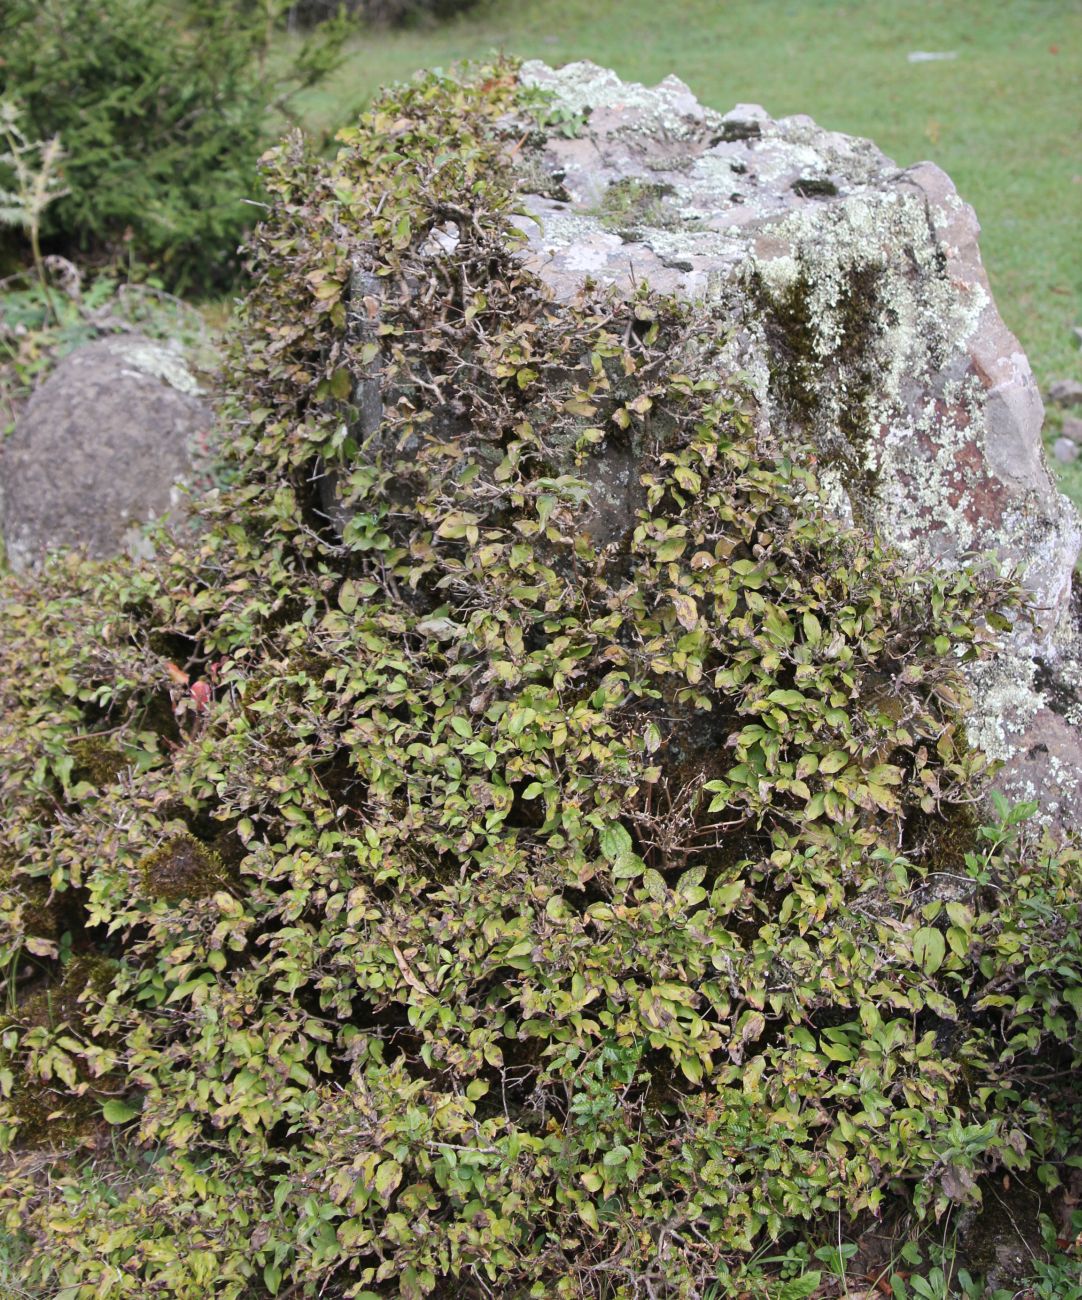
x=853, y=294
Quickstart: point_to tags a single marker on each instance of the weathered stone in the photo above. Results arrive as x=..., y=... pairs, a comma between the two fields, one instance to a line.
x=851, y=294
x=1065, y=392
x=854, y=295
x=100, y=450
x=1072, y=428
x=1039, y=732
x=1065, y=450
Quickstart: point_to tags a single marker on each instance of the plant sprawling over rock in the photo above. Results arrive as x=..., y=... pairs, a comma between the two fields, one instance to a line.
x=526, y=848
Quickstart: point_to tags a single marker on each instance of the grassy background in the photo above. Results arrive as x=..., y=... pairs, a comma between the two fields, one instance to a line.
x=1004, y=118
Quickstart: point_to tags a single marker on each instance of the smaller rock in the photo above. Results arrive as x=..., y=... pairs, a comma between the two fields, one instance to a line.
x=1072, y=428
x=1065, y=450
x=100, y=450
x=1065, y=392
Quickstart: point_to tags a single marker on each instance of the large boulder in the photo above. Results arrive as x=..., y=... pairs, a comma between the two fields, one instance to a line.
x=100, y=450
x=853, y=296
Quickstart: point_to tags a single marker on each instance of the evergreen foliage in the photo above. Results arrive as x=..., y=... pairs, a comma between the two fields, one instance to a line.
x=478, y=887
x=162, y=110
x=390, y=12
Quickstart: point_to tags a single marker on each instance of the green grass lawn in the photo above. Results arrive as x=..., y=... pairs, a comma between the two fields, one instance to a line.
x=1004, y=118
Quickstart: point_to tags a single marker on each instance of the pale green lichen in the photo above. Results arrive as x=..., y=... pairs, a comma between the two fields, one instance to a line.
x=161, y=362
x=1005, y=703
x=668, y=110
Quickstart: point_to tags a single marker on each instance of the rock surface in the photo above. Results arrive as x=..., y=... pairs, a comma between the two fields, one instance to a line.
x=1066, y=392
x=852, y=294
x=100, y=450
x=1072, y=428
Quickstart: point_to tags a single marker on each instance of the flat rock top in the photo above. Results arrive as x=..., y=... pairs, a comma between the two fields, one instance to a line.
x=687, y=186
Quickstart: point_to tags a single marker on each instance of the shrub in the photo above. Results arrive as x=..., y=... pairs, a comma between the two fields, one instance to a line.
x=162, y=110
x=32, y=169
x=390, y=12
x=574, y=892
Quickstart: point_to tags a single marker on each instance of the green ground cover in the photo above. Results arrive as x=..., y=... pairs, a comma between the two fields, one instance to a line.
x=491, y=899
x=1002, y=117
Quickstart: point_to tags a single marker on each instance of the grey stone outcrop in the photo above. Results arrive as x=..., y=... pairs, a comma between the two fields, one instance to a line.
x=851, y=294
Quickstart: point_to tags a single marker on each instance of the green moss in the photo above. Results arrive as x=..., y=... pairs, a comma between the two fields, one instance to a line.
x=182, y=868
x=62, y=1000
x=630, y=204
x=815, y=187
x=98, y=759
x=812, y=384
x=30, y=899
x=940, y=841
x=48, y=1117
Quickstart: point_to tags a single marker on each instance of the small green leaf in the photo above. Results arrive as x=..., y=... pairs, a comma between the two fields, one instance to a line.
x=619, y=1155
x=815, y=806
x=654, y=884
x=118, y=1112
x=813, y=632
x=929, y=949
x=615, y=841
x=724, y=896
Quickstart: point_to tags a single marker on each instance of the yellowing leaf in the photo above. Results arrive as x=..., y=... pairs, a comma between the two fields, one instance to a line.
x=672, y=548
x=388, y=1176
x=687, y=612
